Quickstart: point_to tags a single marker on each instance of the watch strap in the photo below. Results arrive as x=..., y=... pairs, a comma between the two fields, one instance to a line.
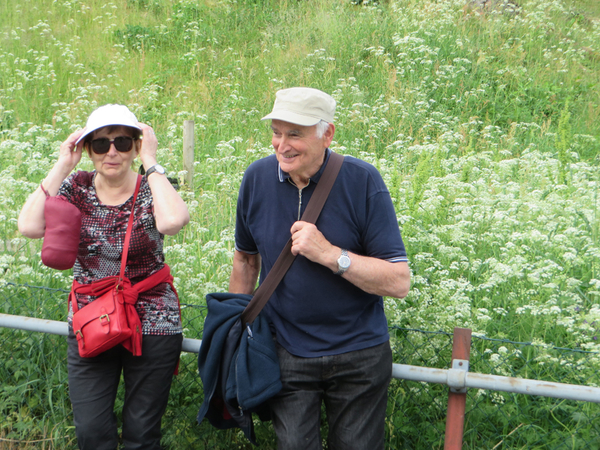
x=341, y=270
x=153, y=169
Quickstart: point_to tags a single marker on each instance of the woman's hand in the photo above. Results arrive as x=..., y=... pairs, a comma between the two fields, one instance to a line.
x=70, y=153
x=149, y=146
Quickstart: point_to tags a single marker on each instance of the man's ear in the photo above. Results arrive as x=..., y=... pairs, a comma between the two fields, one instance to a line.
x=329, y=133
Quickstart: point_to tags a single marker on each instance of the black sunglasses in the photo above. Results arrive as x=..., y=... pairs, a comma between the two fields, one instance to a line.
x=101, y=146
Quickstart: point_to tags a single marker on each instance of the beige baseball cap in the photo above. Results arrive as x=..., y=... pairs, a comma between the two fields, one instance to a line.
x=302, y=106
x=108, y=115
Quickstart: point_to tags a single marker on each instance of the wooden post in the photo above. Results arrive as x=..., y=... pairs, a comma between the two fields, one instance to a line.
x=188, y=152
x=455, y=418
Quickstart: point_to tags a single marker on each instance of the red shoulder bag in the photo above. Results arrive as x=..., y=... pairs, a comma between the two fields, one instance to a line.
x=110, y=319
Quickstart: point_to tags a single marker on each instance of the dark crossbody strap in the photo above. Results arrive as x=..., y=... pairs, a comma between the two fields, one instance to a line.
x=286, y=257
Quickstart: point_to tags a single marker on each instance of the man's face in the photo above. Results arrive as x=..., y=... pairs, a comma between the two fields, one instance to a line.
x=299, y=151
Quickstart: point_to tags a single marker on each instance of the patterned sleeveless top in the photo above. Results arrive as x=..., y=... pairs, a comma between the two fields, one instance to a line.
x=103, y=229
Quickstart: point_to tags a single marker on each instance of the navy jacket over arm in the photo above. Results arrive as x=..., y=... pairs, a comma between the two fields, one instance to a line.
x=239, y=368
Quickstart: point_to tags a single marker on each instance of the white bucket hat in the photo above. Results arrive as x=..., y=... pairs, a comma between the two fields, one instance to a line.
x=302, y=106
x=109, y=115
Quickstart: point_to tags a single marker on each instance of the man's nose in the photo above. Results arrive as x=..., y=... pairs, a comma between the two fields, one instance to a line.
x=283, y=143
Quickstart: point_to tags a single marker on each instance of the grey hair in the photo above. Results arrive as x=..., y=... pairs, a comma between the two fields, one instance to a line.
x=322, y=127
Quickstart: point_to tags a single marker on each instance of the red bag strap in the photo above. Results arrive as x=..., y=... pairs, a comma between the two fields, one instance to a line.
x=45, y=191
x=101, y=286
x=129, y=228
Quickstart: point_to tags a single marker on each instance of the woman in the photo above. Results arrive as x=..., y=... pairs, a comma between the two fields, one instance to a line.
x=104, y=196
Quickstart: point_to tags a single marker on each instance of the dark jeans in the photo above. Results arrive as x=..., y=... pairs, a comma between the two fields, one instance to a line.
x=93, y=384
x=353, y=387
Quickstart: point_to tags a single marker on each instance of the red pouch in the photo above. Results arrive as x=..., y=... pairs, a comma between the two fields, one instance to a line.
x=103, y=323
x=62, y=235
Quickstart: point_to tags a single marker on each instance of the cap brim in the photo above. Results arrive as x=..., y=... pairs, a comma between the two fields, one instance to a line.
x=292, y=117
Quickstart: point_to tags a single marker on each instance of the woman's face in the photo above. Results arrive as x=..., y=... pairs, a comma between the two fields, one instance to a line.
x=114, y=164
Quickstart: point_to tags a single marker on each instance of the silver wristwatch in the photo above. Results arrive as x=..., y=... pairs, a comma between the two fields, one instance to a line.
x=343, y=262
x=155, y=168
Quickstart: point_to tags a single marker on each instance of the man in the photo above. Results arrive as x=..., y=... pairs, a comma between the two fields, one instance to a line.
x=327, y=313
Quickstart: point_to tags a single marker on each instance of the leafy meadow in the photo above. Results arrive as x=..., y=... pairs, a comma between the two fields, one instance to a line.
x=483, y=120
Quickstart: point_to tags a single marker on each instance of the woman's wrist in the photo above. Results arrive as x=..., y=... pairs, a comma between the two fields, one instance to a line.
x=149, y=162
x=61, y=169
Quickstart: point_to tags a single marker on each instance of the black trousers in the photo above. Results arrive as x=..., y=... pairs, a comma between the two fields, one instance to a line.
x=93, y=384
x=353, y=387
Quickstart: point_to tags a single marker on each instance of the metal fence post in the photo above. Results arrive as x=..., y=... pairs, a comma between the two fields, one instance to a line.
x=457, y=398
x=188, y=151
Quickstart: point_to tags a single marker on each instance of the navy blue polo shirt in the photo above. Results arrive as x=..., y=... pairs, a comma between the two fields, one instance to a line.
x=313, y=311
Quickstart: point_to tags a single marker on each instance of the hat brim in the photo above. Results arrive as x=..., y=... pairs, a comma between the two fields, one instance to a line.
x=87, y=131
x=292, y=117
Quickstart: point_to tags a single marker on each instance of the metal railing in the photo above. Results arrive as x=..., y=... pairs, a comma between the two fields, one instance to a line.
x=496, y=414
x=457, y=379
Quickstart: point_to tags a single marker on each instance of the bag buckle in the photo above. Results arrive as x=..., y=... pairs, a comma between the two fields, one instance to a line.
x=119, y=285
x=104, y=319
x=79, y=336
x=250, y=335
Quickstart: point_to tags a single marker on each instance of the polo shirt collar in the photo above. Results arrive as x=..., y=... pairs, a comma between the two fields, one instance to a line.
x=284, y=176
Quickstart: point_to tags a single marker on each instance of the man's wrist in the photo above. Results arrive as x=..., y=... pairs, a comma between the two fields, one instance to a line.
x=343, y=262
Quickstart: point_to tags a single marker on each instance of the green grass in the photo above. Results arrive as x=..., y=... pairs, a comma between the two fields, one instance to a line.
x=589, y=9
x=485, y=124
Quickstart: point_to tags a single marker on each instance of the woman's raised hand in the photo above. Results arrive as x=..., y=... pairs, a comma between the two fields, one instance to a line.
x=149, y=146
x=70, y=153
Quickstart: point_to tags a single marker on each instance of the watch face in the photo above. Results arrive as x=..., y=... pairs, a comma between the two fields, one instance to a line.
x=344, y=262
x=156, y=168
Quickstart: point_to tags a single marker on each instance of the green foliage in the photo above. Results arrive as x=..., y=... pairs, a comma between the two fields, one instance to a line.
x=485, y=124
x=563, y=143
x=138, y=38
x=32, y=396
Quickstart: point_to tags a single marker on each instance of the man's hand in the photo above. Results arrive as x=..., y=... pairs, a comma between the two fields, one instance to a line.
x=372, y=275
x=309, y=242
